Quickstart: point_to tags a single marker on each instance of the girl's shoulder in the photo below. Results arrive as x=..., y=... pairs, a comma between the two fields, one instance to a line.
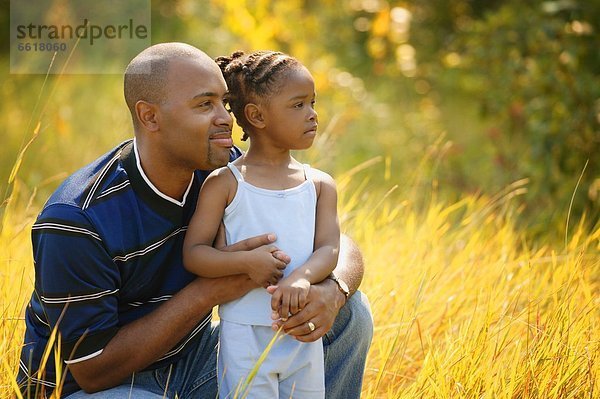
x=219, y=173
x=222, y=177
x=319, y=176
x=222, y=183
x=322, y=180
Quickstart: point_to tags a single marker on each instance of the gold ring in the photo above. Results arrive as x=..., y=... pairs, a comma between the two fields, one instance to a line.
x=311, y=326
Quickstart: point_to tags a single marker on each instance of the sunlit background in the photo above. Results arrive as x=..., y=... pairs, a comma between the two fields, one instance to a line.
x=465, y=139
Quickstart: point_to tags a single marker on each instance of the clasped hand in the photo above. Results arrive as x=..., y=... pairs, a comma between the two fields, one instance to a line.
x=263, y=266
x=289, y=297
x=265, y=269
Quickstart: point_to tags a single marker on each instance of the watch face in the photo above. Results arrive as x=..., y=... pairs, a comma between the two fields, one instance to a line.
x=343, y=286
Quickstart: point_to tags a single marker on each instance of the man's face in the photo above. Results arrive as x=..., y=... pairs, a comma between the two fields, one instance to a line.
x=195, y=127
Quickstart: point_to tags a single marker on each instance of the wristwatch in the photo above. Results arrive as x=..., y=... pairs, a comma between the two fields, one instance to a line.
x=342, y=286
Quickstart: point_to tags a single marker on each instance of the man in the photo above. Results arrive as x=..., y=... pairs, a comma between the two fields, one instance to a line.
x=108, y=256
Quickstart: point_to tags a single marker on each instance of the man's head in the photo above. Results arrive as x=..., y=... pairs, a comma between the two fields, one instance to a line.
x=146, y=75
x=175, y=93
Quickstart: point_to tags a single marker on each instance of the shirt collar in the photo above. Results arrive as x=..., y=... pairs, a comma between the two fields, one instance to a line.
x=153, y=187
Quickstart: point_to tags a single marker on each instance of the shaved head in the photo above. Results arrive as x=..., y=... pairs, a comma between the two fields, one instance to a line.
x=146, y=75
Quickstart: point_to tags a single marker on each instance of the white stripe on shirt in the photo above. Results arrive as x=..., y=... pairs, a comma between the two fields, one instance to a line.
x=103, y=173
x=149, y=248
x=78, y=298
x=65, y=227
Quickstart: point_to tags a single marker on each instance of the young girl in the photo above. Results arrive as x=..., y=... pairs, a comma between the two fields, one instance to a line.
x=272, y=96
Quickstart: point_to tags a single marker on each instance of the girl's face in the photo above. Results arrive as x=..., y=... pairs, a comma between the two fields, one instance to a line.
x=289, y=115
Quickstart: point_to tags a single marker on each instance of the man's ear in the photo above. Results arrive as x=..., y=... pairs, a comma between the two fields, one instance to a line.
x=254, y=115
x=146, y=114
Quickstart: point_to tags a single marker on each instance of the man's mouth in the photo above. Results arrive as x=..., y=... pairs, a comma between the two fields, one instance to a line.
x=221, y=139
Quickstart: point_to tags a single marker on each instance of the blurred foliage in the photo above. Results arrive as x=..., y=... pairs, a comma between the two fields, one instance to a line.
x=452, y=96
x=532, y=69
x=536, y=72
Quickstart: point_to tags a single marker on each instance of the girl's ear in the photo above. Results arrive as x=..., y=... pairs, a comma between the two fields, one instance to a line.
x=146, y=114
x=254, y=115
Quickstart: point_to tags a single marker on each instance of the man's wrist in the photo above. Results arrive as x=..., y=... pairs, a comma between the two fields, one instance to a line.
x=341, y=286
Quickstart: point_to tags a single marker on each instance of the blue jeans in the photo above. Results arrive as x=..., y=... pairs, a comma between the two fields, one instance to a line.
x=345, y=349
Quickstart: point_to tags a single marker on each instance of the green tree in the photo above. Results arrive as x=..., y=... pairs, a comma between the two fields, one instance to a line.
x=538, y=71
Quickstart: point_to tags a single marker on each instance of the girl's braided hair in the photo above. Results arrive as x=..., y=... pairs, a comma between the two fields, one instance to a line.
x=252, y=77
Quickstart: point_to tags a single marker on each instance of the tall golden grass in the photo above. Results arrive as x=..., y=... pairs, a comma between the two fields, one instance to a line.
x=464, y=305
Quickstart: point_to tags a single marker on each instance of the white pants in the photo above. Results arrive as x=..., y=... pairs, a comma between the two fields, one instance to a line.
x=291, y=369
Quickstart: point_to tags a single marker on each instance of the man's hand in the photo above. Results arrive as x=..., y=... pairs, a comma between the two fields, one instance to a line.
x=252, y=243
x=323, y=304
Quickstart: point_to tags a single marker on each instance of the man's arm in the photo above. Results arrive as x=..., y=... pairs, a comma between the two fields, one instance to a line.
x=325, y=299
x=162, y=329
x=350, y=267
x=156, y=333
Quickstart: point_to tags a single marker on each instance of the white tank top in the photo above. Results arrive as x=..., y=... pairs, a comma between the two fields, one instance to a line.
x=290, y=214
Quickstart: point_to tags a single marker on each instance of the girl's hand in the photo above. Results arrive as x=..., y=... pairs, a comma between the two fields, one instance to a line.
x=290, y=296
x=263, y=267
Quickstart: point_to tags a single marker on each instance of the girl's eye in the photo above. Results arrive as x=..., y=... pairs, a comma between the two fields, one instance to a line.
x=298, y=105
x=205, y=104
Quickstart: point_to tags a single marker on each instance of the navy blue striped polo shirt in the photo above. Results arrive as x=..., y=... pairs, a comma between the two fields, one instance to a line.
x=107, y=250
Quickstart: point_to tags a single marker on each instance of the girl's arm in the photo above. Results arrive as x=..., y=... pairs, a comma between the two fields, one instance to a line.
x=199, y=257
x=327, y=233
x=292, y=292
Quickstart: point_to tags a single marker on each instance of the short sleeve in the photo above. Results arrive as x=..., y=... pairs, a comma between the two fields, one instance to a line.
x=77, y=282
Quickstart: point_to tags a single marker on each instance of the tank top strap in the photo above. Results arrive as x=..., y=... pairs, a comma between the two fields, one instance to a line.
x=307, y=171
x=235, y=171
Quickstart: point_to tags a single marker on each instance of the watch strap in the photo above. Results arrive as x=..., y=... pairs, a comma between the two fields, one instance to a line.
x=342, y=286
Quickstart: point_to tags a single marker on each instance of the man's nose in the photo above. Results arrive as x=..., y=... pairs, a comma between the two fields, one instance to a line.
x=224, y=117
